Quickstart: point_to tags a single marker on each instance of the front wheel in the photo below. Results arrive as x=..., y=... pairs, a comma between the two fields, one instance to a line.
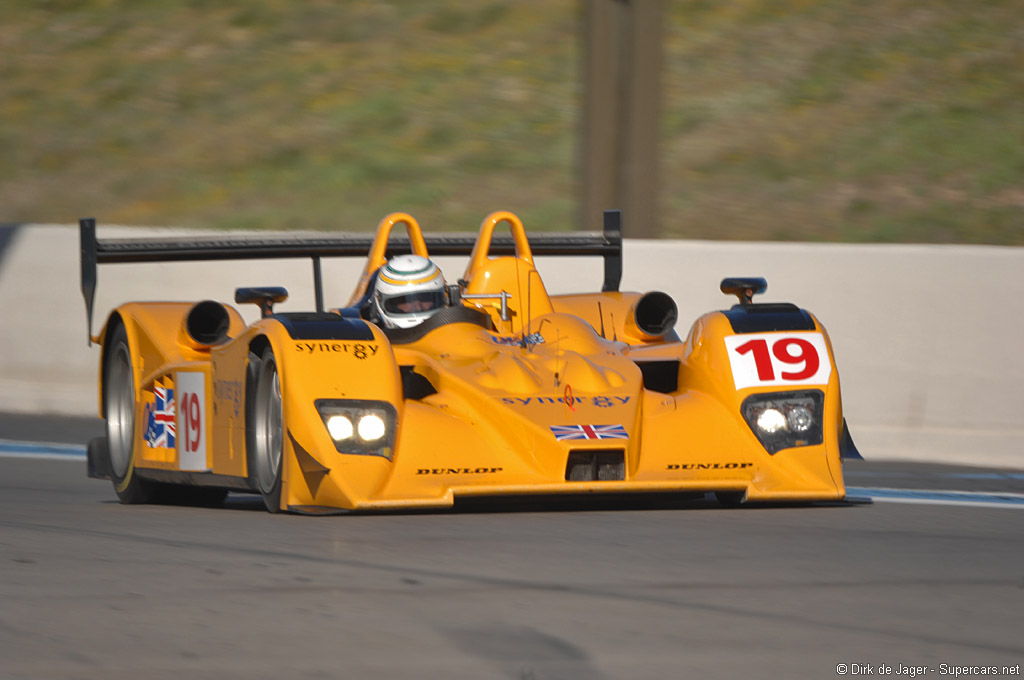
x=119, y=409
x=266, y=432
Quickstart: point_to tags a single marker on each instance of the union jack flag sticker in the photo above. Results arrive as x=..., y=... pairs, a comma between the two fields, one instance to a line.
x=566, y=432
x=160, y=423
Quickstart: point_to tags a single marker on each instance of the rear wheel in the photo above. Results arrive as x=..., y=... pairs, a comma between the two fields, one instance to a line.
x=119, y=409
x=266, y=432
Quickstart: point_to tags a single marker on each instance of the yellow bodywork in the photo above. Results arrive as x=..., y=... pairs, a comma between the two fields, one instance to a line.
x=485, y=427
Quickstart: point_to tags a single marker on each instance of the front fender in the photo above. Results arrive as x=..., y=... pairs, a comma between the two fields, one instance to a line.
x=731, y=360
x=155, y=338
x=329, y=361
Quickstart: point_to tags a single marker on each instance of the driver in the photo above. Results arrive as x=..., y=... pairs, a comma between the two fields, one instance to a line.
x=409, y=290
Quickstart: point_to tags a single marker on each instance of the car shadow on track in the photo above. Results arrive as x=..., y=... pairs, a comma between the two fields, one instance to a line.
x=249, y=502
x=619, y=503
x=568, y=503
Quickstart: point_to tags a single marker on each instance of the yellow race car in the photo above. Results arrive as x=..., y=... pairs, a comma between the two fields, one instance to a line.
x=506, y=391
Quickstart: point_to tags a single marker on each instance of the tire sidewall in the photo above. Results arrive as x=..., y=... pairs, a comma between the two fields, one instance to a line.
x=128, y=486
x=260, y=370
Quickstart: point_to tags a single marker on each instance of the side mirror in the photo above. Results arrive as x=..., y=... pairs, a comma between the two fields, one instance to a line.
x=744, y=288
x=264, y=296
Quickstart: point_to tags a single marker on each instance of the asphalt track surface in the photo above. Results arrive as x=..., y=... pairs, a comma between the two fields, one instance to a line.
x=658, y=588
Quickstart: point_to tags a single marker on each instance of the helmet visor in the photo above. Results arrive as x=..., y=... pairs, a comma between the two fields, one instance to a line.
x=413, y=303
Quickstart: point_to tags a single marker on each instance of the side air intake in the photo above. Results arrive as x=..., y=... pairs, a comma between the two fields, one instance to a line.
x=652, y=316
x=206, y=325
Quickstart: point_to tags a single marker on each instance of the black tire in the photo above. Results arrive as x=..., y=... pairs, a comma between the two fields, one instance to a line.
x=119, y=409
x=252, y=374
x=265, y=432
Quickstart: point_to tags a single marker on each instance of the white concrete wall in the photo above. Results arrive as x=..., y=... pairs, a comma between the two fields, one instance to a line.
x=927, y=338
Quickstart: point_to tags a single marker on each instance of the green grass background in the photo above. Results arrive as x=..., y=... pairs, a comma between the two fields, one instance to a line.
x=830, y=120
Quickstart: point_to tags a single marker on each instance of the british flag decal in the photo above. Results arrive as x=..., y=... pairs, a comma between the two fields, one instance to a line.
x=566, y=432
x=160, y=418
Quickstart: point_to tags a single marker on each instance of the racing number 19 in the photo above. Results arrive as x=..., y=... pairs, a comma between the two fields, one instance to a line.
x=192, y=421
x=805, y=354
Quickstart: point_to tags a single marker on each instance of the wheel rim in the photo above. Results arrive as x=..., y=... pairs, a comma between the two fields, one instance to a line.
x=120, y=411
x=269, y=437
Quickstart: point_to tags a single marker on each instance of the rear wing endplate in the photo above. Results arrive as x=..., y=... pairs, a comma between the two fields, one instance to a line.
x=606, y=243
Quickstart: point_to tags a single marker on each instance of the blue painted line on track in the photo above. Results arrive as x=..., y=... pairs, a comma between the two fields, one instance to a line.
x=11, y=449
x=943, y=475
x=939, y=497
x=986, y=475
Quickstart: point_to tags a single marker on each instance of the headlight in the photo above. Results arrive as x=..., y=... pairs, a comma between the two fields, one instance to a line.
x=800, y=419
x=371, y=427
x=359, y=426
x=783, y=420
x=771, y=421
x=340, y=427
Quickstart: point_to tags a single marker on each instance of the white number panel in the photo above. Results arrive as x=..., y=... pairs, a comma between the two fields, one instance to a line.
x=778, y=359
x=192, y=421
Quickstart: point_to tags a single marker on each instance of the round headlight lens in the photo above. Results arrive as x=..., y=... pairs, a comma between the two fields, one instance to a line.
x=800, y=419
x=371, y=427
x=339, y=427
x=771, y=421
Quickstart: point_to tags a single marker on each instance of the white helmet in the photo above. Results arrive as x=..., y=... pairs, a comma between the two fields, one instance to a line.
x=410, y=289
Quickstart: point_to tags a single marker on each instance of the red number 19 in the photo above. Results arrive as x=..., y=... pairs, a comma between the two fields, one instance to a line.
x=806, y=354
x=192, y=420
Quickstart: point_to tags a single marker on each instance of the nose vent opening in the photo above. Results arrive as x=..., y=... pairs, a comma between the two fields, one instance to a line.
x=660, y=376
x=415, y=385
x=596, y=466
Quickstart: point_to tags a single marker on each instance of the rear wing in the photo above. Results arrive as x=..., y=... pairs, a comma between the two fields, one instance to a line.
x=606, y=243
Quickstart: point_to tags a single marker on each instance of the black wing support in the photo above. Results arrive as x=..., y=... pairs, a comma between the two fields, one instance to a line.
x=607, y=244
x=87, y=241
